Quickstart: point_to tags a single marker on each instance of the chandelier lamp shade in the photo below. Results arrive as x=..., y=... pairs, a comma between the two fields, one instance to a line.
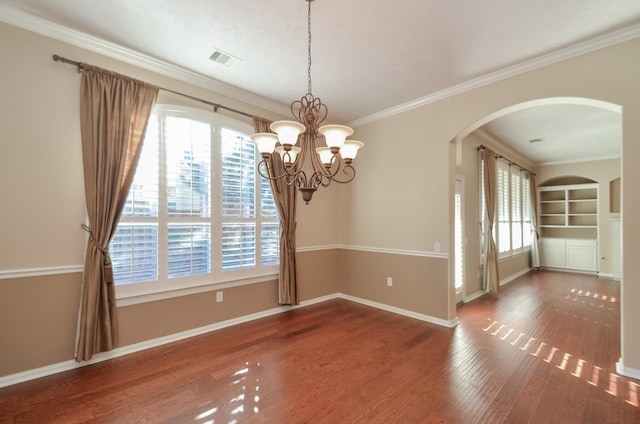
x=307, y=164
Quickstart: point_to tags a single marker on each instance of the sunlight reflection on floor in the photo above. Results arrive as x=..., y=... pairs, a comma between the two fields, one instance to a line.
x=246, y=401
x=614, y=385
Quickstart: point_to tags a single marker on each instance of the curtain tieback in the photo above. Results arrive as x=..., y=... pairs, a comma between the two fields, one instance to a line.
x=94, y=242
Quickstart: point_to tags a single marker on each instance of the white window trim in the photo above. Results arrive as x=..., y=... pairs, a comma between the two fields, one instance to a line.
x=163, y=288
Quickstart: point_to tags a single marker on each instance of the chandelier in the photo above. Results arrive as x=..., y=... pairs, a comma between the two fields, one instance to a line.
x=295, y=142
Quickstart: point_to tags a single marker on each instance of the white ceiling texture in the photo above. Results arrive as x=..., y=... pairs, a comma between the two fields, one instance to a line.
x=370, y=58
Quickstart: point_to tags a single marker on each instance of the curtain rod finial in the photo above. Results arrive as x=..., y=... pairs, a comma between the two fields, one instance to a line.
x=59, y=58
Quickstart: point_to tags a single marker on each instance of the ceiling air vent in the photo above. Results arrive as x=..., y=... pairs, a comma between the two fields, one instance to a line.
x=223, y=58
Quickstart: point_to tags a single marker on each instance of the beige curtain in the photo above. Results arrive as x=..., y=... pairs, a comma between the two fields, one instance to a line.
x=490, y=277
x=285, y=198
x=114, y=111
x=535, y=252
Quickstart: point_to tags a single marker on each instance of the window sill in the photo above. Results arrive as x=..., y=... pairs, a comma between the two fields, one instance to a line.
x=134, y=299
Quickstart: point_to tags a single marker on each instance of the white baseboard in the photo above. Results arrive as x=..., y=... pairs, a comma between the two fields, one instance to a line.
x=609, y=276
x=21, y=377
x=475, y=296
x=400, y=311
x=502, y=283
x=514, y=276
x=570, y=271
x=627, y=371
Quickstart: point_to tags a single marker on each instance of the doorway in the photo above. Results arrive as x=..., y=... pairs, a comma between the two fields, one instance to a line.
x=467, y=166
x=459, y=240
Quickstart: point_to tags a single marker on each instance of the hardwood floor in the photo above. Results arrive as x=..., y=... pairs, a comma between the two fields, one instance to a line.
x=542, y=351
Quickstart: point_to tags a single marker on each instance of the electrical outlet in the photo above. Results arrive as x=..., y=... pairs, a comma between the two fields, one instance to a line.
x=389, y=281
x=436, y=247
x=219, y=296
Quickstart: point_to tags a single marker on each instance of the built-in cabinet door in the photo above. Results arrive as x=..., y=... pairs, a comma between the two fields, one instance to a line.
x=581, y=255
x=552, y=253
x=570, y=254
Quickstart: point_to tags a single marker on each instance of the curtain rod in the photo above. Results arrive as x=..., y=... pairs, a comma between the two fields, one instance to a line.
x=482, y=147
x=216, y=106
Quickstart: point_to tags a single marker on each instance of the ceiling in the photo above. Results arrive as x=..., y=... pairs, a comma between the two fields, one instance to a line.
x=560, y=133
x=369, y=57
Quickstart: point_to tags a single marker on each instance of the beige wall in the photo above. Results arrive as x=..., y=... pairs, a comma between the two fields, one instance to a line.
x=400, y=202
x=510, y=268
x=146, y=321
x=400, y=198
x=418, y=283
x=403, y=200
x=38, y=318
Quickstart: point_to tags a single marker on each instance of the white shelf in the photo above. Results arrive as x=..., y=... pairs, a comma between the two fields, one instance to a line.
x=568, y=221
x=573, y=208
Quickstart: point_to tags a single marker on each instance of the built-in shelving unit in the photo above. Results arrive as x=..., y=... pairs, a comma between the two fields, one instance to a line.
x=568, y=225
x=569, y=211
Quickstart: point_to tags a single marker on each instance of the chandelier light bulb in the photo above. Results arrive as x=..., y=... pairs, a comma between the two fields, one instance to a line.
x=288, y=131
x=335, y=135
x=288, y=156
x=326, y=156
x=350, y=150
x=265, y=142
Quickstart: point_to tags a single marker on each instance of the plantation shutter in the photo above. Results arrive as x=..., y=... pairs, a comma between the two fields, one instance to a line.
x=238, y=201
x=188, y=170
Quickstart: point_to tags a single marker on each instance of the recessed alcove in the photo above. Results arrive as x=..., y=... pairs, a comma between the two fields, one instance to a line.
x=614, y=196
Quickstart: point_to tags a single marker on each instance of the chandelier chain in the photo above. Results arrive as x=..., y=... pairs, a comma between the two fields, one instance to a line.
x=309, y=48
x=324, y=164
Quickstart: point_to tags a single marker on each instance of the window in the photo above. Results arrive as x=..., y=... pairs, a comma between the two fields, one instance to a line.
x=198, y=212
x=513, y=229
x=503, y=233
x=527, y=210
x=459, y=239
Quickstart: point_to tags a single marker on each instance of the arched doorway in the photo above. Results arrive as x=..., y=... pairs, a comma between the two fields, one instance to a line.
x=467, y=166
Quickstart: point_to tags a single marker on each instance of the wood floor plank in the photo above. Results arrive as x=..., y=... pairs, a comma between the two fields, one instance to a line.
x=543, y=350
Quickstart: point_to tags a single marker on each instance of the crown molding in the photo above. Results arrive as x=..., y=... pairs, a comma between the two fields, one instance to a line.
x=79, y=39
x=114, y=51
x=583, y=160
x=607, y=40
